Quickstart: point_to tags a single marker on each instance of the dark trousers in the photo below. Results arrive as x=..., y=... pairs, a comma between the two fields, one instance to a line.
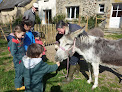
x=75, y=59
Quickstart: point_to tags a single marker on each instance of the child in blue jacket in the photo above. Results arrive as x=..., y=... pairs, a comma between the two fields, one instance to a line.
x=15, y=46
x=35, y=68
x=29, y=37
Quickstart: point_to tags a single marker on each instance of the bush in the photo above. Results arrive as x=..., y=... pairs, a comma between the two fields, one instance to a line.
x=37, y=20
x=91, y=21
x=17, y=21
x=58, y=18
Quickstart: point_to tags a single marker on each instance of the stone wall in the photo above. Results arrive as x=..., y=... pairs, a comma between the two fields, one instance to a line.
x=86, y=7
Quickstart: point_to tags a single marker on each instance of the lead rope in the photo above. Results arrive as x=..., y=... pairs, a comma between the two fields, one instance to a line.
x=68, y=58
x=67, y=67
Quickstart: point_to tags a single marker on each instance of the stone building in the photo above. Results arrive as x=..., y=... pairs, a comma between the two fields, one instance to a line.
x=11, y=9
x=72, y=9
x=75, y=8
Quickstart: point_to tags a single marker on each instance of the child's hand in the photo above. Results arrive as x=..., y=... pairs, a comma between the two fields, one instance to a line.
x=58, y=63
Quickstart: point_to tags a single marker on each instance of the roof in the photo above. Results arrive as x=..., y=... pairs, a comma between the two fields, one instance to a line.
x=8, y=4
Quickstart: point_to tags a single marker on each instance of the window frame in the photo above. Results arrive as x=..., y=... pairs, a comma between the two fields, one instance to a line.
x=48, y=16
x=116, y=10
x=101, y=8
x=70, y=10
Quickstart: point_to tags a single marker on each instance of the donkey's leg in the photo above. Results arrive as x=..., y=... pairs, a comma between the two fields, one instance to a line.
x=90, y=73
x=96, y=73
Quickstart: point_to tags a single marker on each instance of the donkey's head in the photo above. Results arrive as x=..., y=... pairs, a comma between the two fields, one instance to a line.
x=67, y=45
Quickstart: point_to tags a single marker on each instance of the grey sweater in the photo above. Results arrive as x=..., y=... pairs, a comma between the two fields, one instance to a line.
x=30, y=16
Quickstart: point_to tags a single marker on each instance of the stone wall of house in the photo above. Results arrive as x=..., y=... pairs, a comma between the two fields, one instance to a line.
x=86, y=7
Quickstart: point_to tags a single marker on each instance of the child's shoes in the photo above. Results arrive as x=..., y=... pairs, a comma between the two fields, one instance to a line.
x=22, y=88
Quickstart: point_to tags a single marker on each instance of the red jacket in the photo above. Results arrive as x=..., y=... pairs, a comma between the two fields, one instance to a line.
x=41, y=43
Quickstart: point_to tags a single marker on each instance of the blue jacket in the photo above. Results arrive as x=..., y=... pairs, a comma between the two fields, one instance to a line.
x=29, y=39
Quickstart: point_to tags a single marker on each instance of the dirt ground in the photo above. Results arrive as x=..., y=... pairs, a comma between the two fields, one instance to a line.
x=108, y=76
x=51, y=52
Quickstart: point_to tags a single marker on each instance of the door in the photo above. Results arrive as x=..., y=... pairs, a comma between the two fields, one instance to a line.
x=116, y=14
x=48, y=16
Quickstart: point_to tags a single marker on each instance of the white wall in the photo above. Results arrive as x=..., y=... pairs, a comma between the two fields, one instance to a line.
x=51, y=4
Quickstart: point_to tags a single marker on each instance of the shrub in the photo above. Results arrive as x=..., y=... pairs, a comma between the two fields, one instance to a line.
x=37, y=20
x=17, y=21
x=91, y=21
x=58, y=18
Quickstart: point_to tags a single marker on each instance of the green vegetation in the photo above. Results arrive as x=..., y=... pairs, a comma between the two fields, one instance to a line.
x=58, y=18
x=91, y=21
x=37, y=20
x=114, y=36
x=52, y=81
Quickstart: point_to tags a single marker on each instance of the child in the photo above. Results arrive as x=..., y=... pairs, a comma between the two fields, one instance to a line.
x=17, y=50
x=10, y=36
x=29, y=38
x=35, y=68
x=38, y=41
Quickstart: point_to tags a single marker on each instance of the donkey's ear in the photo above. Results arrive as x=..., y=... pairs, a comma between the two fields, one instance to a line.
x=76, y=33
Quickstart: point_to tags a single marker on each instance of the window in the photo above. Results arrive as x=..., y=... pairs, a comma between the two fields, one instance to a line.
x=73, y=12
x=101, y=8
x=117, y=10
x=48, y=16
x=46, y=0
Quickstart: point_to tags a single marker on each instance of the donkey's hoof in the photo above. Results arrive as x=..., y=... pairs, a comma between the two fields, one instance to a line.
x=94, y=86
x=88, y=81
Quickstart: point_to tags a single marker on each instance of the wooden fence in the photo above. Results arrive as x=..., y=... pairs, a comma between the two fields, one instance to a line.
x=47, y=33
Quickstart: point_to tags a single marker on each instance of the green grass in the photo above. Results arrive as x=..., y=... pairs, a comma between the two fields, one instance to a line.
x=52, y=81
x=114, y=36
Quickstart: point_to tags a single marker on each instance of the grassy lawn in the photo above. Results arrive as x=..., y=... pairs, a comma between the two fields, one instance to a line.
x=52, y=81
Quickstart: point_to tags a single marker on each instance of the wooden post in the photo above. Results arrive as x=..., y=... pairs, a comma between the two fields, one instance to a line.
x=10, y=25
x=3, y=33
x=51, y=34
x=46, y=34
x=96, y=22
x=38, y=28
x=0, y=34
x=86, y=29
x=79, y=20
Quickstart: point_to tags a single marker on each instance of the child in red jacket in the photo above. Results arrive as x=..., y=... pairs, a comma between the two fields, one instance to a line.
x=38, y=41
